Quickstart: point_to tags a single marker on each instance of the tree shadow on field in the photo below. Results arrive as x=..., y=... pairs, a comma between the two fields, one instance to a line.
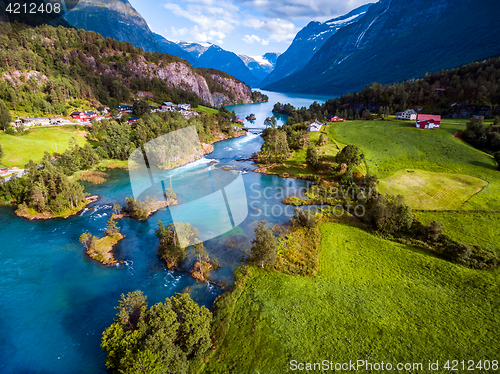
x=484, y=165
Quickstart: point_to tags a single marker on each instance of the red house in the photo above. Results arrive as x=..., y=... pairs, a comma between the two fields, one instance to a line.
x=428, y=121
x=80, y=116
x=239, y=121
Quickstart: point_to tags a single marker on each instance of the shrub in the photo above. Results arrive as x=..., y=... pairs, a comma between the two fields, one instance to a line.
x=304, y=218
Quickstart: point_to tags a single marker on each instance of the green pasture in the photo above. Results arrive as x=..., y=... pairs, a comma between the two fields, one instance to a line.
x=474, y=228
x=371, y=299
x=204, y=109
x=18, y=150
x=391, y=147
x=427, y=190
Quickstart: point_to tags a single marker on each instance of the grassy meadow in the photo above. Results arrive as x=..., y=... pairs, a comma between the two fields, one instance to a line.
x=390, y=147
x=204, y=109
x=474, y=228
x=371, y=299
x=18, y=150
x=427, y=190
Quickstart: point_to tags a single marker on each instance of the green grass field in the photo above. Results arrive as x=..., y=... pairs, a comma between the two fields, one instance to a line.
x=204, y=109
x=390, y=147
x=427, y=190
x=18, y=150
x=371, y=300
x=474, y=228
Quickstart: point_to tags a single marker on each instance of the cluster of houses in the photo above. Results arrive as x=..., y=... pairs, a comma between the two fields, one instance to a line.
x=422, y=121
x=184, y=109
x=37, y=121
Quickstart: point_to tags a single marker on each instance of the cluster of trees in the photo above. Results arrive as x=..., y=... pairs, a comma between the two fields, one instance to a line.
x=115, y=139
x=166, y=338
x=44, y=187
x=77, y=158
x=389, y=214
x=175, y=240
x=462, y=253
x=482, y=137
x=118, y=140
x=279, y=142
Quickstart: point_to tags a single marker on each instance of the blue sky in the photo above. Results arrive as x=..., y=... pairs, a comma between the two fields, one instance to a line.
x=250, y=27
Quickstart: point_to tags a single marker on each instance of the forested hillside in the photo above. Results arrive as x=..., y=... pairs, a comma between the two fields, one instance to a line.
x=42, y=68
x=472, y=89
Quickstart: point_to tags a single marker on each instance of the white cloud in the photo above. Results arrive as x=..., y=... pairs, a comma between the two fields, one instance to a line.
x=212, y=22
x=279, y=30
x=178, y=32
x=308, y=9
x=254, y=38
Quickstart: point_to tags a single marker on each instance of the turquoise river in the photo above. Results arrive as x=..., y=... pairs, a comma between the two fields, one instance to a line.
x=56, y=301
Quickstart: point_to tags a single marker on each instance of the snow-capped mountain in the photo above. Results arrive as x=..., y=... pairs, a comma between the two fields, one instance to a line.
x=260, y=66
x=396, y=40
x=195, y=49
x=308, y=41
x=250, y=70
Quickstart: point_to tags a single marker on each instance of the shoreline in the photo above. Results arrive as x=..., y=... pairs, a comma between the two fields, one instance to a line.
x=31, y=215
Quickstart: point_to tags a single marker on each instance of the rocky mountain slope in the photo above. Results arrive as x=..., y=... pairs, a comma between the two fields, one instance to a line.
x=397, y=40
x=83, y=65
x=115, y=19
x=308, y=41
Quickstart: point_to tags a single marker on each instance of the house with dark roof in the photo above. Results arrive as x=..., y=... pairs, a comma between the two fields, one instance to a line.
x=315, y=126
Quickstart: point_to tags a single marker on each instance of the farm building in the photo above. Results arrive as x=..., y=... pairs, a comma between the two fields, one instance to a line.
x=332, y=118
x=409, y=115
x=315, y=126
x=428, y=121
x=35, y=121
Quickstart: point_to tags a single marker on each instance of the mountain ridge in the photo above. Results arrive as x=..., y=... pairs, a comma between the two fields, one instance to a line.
x=308, y=40
x=379, y=47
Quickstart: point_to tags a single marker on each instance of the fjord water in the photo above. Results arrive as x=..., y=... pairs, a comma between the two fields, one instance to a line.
x=264, y=110
x=56, y=302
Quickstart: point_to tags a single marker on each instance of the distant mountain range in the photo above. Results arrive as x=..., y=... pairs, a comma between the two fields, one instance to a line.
x=396, y=40
x=118, y=19
x=389, y=41
x=251, y=70
x=308, y=41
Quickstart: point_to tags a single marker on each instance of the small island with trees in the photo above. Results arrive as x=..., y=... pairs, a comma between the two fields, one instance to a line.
x=101, y=249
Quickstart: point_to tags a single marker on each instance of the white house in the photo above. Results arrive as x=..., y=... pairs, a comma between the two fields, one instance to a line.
x=315, y=126
x=408, y=115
